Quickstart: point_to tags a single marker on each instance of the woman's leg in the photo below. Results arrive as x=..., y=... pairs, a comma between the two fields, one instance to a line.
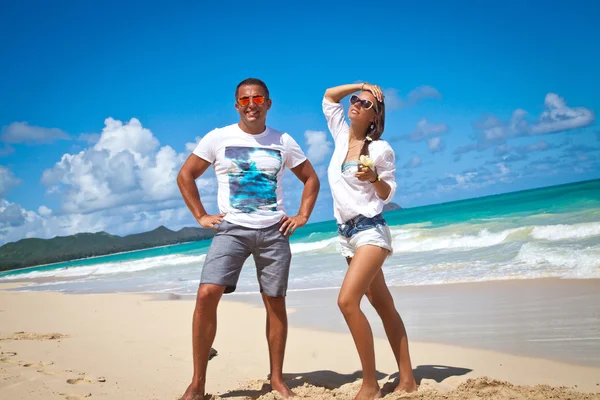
x=365, y=264
x=380, y=297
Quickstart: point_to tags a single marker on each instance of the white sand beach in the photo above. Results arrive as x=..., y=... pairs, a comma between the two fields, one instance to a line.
x=117, y=346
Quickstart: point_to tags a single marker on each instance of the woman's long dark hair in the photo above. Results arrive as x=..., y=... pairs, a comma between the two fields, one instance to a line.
x=375, y=130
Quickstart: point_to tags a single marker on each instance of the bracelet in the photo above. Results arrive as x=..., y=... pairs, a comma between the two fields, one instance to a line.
x=377, y=179
x=363, y=86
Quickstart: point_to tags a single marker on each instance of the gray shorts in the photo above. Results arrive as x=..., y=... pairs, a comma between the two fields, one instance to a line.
x=231, y=247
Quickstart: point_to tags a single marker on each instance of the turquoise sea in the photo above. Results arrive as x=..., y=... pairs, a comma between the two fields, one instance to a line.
x=547, y=232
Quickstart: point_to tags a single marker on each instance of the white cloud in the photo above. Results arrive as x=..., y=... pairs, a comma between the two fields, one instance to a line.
x=504, y=170
x=191, y=146
x=435, y=145
x=394, y=101
x=493, y=129
x=463, y=180
x=556, y=117
x=22, y=132
x=131, y=137
x=503, y=149
x=125, y=183
x=538, y=146
x=17, y=223
x=44, y=211
x=425, y=130
x=158, y=179
x=318, y=147
x=580, y=149
x=475, y=178
x=543, y=165
x=13, y=215
x=465, y=149
x=414, y=162
x=90, y=138
x=508, y=153
x=7, y=181
x=422, y=93
x=126, y=166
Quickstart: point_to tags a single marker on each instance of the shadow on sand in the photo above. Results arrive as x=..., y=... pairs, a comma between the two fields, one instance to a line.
x=333, y=380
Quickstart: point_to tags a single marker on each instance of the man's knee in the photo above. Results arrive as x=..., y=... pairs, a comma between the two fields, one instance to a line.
x=209, y=294
x=275, y=303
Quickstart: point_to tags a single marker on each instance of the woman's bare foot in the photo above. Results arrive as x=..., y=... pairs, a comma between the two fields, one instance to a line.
x=193, y=393
x=408, y=387
x=368, y=393
x=282, y=388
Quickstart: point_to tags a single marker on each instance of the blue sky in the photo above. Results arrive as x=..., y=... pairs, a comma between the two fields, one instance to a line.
x=100, y=103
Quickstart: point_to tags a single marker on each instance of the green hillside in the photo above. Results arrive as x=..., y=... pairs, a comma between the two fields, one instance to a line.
x=27, y=252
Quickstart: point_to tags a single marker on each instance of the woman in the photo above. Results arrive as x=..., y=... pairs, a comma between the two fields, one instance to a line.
x=361, y=177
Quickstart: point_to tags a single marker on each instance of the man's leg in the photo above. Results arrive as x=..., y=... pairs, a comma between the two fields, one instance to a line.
x=277, y=328
x=204, y=329
x=273, y=256
x=226, y=256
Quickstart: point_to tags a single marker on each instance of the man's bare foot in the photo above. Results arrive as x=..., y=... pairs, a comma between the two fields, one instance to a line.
x=193, y=393
x=408, y=387
x=368, y=393
x=282, y=388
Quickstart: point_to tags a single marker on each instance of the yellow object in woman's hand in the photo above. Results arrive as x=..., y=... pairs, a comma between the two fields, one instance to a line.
x=366, y=161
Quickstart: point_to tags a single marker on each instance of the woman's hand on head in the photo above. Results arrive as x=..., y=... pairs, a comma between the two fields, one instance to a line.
x=376, y=90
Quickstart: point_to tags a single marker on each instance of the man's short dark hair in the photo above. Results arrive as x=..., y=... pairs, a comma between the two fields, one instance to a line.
x=251, y=81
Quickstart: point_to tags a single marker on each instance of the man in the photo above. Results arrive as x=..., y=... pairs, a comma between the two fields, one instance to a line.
x=249, y=160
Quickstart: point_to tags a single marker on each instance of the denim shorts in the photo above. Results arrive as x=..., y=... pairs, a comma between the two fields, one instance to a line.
x=359, y=223
x=361, y=230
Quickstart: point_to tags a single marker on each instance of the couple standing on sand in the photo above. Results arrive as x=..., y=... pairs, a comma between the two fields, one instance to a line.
x=249, y=159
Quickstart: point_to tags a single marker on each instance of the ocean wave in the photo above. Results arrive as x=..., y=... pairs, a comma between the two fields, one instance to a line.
x=562, y=232
x=484, y=238
x=404, y=234
x=111, y=268
x=583, y=263
x=304, y=247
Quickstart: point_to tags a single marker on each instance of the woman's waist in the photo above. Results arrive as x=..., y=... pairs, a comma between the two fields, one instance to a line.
x=361, y=219
x=360, y=223
x=347, y=212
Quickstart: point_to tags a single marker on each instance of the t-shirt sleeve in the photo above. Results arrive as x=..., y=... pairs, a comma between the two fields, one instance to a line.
x=206, y=147
x=294, y=155
x=334, y=114
x=385, y=165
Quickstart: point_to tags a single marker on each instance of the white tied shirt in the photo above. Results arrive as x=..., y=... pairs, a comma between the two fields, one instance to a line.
x=249, y=171
x=352, y=197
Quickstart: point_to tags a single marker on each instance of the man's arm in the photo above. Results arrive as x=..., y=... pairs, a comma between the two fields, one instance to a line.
x=191, y=170
x=306, y=173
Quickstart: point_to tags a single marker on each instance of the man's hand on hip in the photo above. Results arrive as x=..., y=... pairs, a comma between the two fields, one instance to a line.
x=211, y=221
x=290, y=224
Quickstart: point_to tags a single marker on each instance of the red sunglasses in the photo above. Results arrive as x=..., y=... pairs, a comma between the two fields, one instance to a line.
x=244, y=101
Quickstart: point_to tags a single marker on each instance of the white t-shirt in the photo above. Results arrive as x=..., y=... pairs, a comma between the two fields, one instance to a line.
x=249, y=171
x=352, y=197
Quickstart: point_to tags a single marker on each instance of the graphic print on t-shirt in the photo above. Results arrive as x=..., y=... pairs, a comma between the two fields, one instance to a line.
x=253, y=178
